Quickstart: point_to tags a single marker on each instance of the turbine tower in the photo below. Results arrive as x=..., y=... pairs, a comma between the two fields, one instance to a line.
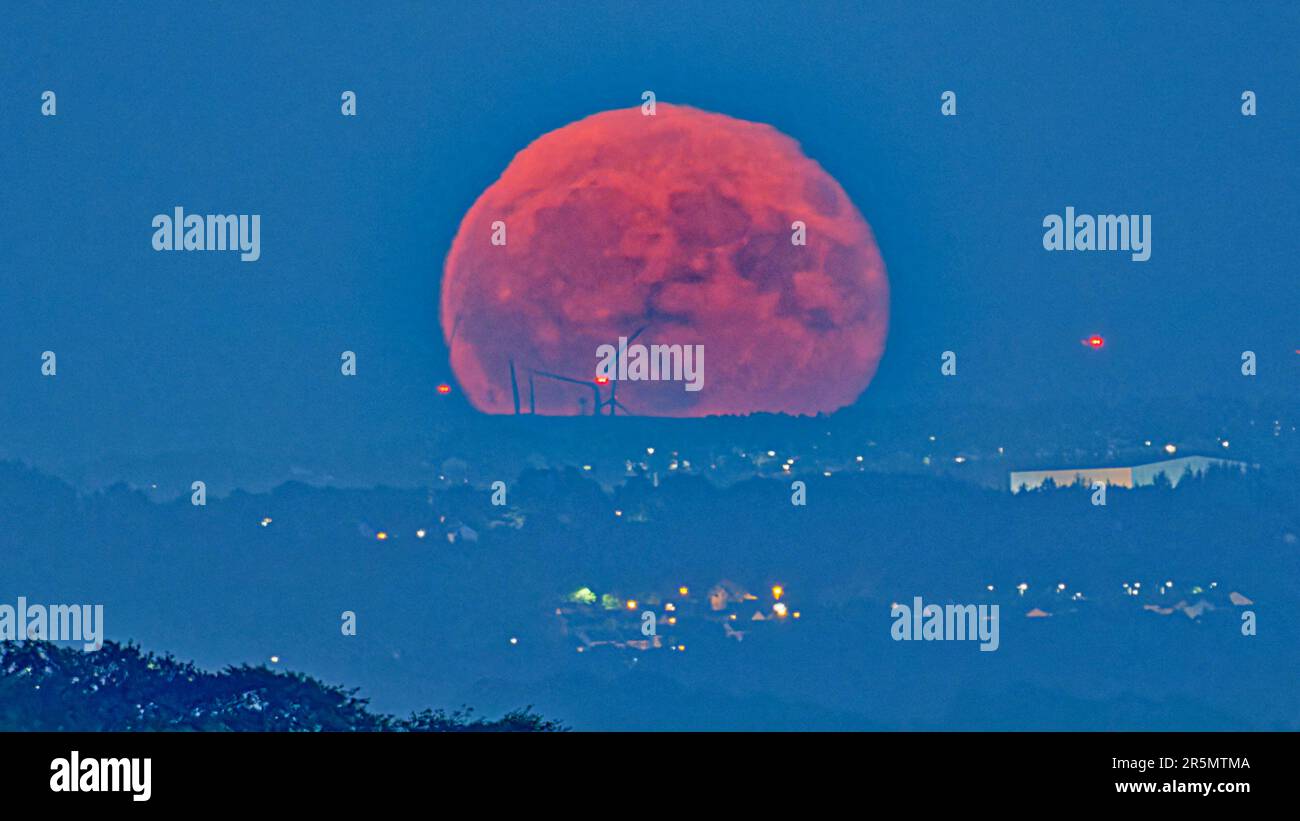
x=514, y=386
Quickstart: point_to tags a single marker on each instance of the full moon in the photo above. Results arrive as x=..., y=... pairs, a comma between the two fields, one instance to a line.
x=694, y=228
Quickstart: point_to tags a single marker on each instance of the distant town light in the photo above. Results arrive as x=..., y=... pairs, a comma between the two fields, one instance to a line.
x=779, y=609
x=266, y=521
x=777, y=592
x=682, y=591
x=650, y=451
x=381, y=535
x=419, y=534
x=771, y=453
x=514, y=640
x=795, y=614
x=1171, y=449
x=275, y=659
x=618, y=513
x=631, y=604
x=1224, y=443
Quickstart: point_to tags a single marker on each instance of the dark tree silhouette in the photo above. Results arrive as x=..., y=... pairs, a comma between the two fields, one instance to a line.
x=44, y=687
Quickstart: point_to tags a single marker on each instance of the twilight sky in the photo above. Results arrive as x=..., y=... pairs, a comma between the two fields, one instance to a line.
x=236, y=110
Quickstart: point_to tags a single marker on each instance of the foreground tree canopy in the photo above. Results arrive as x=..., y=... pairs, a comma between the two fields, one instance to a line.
x=44, y=687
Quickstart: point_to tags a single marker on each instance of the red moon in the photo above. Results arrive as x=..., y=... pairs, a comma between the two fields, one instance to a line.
x=680, y=223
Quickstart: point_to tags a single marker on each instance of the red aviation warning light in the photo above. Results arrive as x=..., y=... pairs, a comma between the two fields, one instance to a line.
x=444, y=388
x=1094, y=341
x=602, y=380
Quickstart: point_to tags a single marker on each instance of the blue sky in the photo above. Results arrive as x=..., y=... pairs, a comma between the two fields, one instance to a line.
x=1111, y=108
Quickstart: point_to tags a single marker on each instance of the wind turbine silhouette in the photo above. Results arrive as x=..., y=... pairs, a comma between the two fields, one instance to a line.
x=613, y=402
x=597, y=403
